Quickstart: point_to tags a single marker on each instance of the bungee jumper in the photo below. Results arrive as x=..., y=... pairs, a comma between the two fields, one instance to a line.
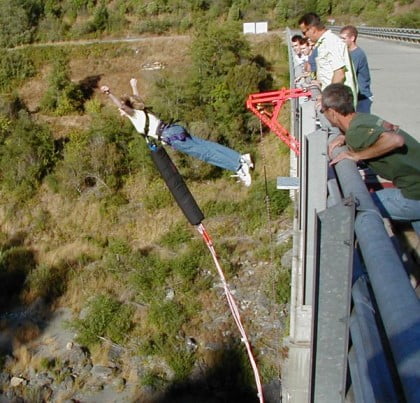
x=177, y=136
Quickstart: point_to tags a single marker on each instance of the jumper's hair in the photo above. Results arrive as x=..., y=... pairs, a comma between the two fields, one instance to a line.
x=132, y=101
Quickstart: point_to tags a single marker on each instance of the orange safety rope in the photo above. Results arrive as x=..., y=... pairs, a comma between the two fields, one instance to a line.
x=234, y=309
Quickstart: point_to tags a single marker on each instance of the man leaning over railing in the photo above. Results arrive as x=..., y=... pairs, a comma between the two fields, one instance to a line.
x=389, y=151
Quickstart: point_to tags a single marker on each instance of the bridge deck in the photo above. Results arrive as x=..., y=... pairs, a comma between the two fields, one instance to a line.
x=394, y=68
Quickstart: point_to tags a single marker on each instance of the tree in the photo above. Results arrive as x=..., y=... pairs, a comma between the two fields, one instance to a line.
x=14, y=67
x=63, y=96
x=15, y=25
x=100, y=18
x=211, y=98
x=27, y=155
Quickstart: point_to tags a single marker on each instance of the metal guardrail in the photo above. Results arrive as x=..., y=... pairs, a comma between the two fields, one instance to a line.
x=381, y=361
x=400, y=34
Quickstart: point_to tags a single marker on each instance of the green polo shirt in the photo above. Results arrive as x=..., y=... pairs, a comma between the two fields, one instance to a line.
x=401, y=166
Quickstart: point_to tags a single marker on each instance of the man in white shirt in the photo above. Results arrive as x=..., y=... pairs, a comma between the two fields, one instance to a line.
x=333, y=62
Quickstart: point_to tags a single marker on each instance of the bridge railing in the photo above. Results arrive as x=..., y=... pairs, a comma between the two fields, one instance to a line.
x=399, y=34
x=354, y=317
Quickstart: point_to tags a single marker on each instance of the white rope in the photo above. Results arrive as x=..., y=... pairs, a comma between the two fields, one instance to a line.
x=233, y=308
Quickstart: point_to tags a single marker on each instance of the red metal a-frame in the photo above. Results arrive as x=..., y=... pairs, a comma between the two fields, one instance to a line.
x=260, y=103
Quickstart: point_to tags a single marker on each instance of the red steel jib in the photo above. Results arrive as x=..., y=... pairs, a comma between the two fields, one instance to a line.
x=259, y=102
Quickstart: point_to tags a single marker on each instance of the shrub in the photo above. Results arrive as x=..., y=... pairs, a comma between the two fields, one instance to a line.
x=158, y=196
x=15, y=24
x=27, y=155
x=149, y=277
x=167, y=316
x=178, y=234
x=407, y=20
x=153, y=26
x=187, y=265
x=62, y=96
x=91, y=161
x=172, y=350
x=14, y=68
x=107, y=317
x=93, y=106
x=278, y=201
x=46, y=282
x=154, y=380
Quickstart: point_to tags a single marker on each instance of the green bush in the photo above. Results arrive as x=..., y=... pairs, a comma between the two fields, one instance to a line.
x=167, y=317
x=174, y=352
x=158, y=196
x=154, y=380
x=47, y=282
x=15, y=67
x=153, y=26
x=26, y=156
x=282, y=281
x=63, y=96
x=149, y=276
x=106, y=317
x=407, y=20
x=259, y=194
x=90, y=162
x=15, y=23
x=213, y=208
x=177, y=235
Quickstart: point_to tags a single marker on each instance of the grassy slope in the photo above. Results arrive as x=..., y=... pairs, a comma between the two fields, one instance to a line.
x=73, y=233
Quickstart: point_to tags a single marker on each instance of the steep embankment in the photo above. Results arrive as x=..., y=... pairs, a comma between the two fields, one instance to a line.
x=97, y=258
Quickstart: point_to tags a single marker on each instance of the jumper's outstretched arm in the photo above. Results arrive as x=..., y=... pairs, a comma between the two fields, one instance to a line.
x=133, y=83
x=107, y=91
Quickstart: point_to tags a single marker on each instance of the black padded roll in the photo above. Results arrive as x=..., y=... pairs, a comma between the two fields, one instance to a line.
x=177, y=186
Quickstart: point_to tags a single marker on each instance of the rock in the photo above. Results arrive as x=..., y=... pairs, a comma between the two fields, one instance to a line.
x=213, y=346
x=284, y=236
x=118, y=384
x=272, y=391
x=4, y=379
x=68, y=383
x=286, y=259
x=46, y=394
x=84, y=313
x=100, y=371
x=16, y=381
x=77, y=358
x=170, y=294
x=41, y=379
x=191, y=344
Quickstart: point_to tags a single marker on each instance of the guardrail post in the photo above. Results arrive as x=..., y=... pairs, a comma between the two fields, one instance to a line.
x=331, y=306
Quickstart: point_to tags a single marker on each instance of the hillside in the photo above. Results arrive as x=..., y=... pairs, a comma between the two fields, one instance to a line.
x=29, y=21
x=146, y=312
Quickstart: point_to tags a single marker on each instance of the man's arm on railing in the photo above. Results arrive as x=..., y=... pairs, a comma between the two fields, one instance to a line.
x=386, y=142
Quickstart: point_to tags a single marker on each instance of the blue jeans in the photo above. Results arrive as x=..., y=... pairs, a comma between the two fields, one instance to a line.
x=363, y=105
x=394, y=205
x=207, y=151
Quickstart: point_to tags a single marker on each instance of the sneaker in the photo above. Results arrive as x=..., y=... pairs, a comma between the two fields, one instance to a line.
x=243, y=175
x=246, y=159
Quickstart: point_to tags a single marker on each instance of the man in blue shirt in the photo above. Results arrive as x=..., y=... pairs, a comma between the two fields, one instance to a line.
x=358, y=56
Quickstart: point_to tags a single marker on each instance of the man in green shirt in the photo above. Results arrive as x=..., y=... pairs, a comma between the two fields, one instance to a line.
x=388, y=151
